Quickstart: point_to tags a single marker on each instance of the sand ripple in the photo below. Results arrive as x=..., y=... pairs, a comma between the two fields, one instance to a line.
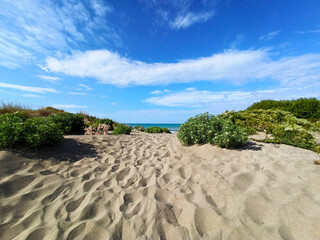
x=147, y=186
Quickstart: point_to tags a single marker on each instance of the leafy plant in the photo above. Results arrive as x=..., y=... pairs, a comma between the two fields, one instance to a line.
x=16, y=129
x=308, y=108
x=284, y=127
x=165, y=130
x=206, y=128
x=40, y=131
x=69, y=122
x=153, y=130
x=11, y=130
x=121, y=129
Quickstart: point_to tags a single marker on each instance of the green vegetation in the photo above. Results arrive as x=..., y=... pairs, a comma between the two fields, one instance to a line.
x=139, y=128
x=42, y=112
x=94, y=122
x=206, y=128
x=121, y=129
x=165, y=130
x=17, y=129
x=70, y=123
x=157, y=130
x=308, y=108
x=23, y=126
x=283, y=126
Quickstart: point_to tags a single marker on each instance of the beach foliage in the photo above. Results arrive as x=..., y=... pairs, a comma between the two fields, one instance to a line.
x=96, y=121
x=283, y=126
x=17, y=129
x=69, y=122
x=121, y=129
x=165, y=130
x=308, y=108
x=157, y=130
x=207, y=128
x=139, y=128
x=42, y=112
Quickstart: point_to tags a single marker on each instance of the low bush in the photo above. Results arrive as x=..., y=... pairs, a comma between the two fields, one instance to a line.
x=165, y=130
x=308, y=108
x=41, y=131
x=17, y=129
x=284, y=126
x=153, y=130
x=121, y=129
x=157, y=130
x=206, y=128
x=69, y=122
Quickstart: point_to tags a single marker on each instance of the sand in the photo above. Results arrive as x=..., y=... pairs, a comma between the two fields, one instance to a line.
x=148, y=186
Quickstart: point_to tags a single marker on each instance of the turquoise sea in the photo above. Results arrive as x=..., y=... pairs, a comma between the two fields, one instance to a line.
x=173, y=127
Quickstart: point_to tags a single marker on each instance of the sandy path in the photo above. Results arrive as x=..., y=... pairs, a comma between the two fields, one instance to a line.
x=147, y=186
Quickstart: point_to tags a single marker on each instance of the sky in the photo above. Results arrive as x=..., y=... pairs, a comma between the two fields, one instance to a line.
x=157, y=61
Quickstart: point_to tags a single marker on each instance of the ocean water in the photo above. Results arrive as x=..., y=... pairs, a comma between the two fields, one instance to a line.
x=173, y=127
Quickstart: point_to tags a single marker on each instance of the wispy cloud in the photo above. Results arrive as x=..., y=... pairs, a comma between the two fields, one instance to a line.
x=178, y=14
x=232, y=66
x=28, y=89
x=77, y=93
x=68, y=106
x=308, y=31
x=195, y=98
x=156, y=92
x=85, y=87
x=31, y=28
x=270, y=35
x=49, y=78
x=187, y=19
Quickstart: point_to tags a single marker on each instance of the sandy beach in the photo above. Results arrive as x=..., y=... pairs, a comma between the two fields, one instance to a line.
x=148, y=186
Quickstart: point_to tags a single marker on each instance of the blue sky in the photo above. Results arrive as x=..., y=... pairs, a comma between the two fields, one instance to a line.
x=157, y=60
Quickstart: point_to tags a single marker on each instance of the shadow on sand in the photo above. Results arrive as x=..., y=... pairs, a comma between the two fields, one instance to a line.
x=250, y=145
x=67, y=150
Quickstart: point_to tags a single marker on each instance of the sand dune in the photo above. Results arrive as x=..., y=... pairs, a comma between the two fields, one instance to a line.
x=147, y=186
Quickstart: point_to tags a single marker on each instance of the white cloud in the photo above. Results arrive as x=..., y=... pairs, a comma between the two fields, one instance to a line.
x=28, y=89
x=86, y=87
x=166, y=90
x=49, y=78
x=156, y=92
x=32, y=28
x=114, y=103
x=232, y=66
x=308, y=31
x=195, y=98
x=32, y=96
x=67, y=106
x=77, y=93
x=270, y=35
x=187, y=19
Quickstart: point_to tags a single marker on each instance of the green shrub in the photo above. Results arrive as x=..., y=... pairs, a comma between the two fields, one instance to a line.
x=12, y=130
x=121, y=129
x=139, y=128
x=16, y=129
x=96, y=121
x=40, y=131
x=69, y=122
x=308, y=108
x=284, y=126
x=153, y=130
x=206, y=128
x=165, y=130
